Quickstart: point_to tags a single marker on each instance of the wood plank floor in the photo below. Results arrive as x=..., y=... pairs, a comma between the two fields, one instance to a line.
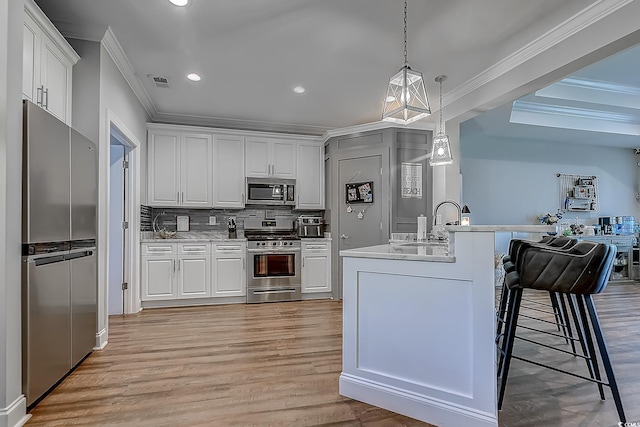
x=278, y=365
x=234, y=365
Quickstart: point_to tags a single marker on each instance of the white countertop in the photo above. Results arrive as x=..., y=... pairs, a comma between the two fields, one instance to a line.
x=523, y=228
x=436, y=252
x=404, y=251
x=192, y=237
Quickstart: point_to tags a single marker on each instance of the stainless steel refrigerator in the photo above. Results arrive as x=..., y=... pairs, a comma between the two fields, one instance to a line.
x=59, y=273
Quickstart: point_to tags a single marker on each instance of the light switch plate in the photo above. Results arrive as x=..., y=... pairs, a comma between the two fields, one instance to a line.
x=213, y=220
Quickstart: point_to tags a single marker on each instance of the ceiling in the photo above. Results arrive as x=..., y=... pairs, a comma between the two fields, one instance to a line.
x=252, y=53
x=598, y=105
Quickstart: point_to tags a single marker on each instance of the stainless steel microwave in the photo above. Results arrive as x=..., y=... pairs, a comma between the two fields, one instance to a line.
x=268, y=191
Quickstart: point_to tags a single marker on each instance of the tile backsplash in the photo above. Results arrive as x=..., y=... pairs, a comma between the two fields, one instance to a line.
x=199, y=218
x=145, y=218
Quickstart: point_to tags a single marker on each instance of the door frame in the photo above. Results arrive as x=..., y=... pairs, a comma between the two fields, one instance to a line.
x=385, y=179
x=117, y=128
x=124, y=199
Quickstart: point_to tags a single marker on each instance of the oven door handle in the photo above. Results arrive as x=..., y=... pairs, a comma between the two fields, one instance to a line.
x=274, y=291
x=267, y=251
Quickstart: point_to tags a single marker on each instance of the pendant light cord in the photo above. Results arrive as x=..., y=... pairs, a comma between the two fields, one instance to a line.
x=405, y=32
x=441, y=128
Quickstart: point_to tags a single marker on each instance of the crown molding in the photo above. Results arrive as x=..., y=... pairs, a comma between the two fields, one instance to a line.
x=562, y=117
x=571, y=26
x=598, y=85
x=239, y=124
x=47, y=26
x=177, y=127
x=115, y=51
x=593, y=91
x=375, y=126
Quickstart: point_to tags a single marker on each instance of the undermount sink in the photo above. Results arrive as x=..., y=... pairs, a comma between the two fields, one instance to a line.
x=428, y=243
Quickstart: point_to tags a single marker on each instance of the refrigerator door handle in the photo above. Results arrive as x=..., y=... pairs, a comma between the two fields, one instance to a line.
x=79, y=255
x=49, y=260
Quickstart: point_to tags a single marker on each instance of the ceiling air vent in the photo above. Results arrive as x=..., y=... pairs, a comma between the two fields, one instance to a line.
x=160, y=81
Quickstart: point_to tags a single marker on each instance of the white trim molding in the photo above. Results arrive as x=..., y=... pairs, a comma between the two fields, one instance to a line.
x=132, y=264
x=562, y=117
x=419, y=125
x=115, y=51
x=101, y=340
x=414, y=405
x=581, y=20
x=593, y=91
x=15, y=415
x=38, y=15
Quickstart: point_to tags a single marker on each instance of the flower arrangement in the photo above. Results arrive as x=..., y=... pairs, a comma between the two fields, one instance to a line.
x=550, y=219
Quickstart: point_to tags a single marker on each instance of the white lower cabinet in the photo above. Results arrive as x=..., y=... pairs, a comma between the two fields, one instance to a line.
x=228, y=269
x=316, y=266
x=194, y=270
x=175, y=271
x=159, y=271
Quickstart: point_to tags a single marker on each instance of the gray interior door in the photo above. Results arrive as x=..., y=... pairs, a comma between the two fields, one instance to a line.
x=361, y=225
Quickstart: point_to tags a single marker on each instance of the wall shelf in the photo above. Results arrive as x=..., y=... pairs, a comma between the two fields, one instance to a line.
x=578, y=193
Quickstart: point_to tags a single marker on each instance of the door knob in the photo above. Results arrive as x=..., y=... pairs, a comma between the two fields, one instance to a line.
x=344, y=236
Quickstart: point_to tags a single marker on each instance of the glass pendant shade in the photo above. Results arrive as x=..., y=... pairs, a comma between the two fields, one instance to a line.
x=406, y=99
x=441, y=151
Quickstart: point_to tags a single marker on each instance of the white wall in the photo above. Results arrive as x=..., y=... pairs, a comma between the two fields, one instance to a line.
x=117, y=100
x=86, y=89
x=512, y=182
x=12, y=403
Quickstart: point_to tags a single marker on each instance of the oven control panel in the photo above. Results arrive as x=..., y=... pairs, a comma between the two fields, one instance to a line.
x=279, y=244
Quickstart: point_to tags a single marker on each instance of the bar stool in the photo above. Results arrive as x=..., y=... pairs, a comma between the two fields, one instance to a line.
x=576, y=273
x=557, y=303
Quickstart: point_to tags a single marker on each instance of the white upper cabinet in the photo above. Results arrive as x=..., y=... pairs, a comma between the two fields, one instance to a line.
x=195, y=170
x=270, y=158
x=199, y=167
x=310, y=179
x=163, y=180
x=179, y=169
x=47, y=63
x=228, y=172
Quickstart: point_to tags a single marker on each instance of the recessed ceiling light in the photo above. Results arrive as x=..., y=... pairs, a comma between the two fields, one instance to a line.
x=299, y=89
x=194, y=77
x=179, y=2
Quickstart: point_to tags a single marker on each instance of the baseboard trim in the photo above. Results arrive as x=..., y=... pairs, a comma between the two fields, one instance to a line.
x=15, y=415
x=101, y=340
x=418, y=406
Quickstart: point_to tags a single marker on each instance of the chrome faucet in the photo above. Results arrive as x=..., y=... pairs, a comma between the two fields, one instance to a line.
x=451, y=202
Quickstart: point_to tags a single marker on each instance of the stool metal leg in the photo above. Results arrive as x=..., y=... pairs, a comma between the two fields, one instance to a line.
x=566, y=322
x=590, y=359
x=584, y=321
x=604, y=354
x=504, y=296
x=515, y=297
x=556, y=312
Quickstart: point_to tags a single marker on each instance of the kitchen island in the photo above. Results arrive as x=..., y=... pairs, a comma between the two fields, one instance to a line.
x=419, y=326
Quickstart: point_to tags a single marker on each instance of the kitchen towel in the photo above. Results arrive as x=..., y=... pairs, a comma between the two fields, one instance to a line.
x=422, y=228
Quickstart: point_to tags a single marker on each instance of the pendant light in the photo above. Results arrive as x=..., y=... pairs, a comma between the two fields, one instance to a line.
x=406, y=99
x=441, y=150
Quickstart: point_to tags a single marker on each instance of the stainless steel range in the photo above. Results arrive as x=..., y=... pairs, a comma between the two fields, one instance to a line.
x=273, y=255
